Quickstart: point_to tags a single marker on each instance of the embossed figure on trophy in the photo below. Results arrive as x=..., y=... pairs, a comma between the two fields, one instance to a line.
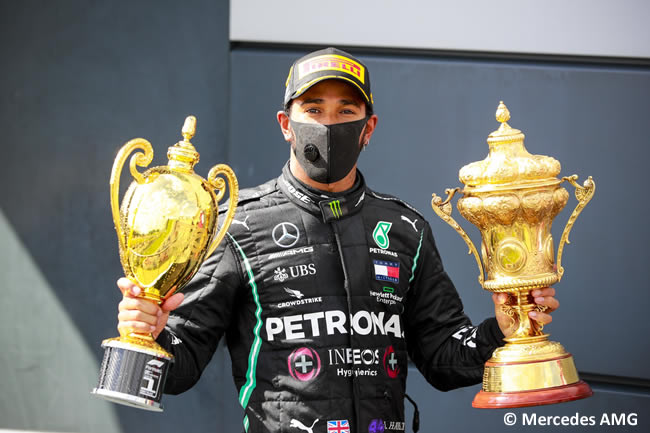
x=520, y=305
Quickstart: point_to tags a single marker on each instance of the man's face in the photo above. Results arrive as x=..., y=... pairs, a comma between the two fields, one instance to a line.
x=327, y=103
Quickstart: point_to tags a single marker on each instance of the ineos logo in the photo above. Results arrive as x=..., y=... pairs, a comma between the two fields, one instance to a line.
x=285, y=234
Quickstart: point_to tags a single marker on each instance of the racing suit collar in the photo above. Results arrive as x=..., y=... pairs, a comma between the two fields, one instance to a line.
x=331, y=206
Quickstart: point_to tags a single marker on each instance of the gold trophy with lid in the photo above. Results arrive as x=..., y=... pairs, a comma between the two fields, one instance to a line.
x=512, y=197
x=166, y=227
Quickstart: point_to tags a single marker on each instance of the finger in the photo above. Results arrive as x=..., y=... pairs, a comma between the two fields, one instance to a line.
x=542, y=318
x=172, y=302
x=138, y=327
x=500, y=298
x=127, y=287
x=137, y=316
x=551, y=303
x=546, y=291
x=148, y=307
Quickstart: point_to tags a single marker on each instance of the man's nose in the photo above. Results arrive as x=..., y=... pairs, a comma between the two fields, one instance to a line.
x=330, y=118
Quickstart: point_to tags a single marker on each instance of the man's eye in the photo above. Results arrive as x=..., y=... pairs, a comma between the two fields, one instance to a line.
x=346, y=111
x=312, y=110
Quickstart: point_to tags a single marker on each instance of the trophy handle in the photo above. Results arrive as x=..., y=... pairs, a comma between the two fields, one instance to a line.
x=583, y=194
x=443, y=210
x=220, y=185
x=139, y=159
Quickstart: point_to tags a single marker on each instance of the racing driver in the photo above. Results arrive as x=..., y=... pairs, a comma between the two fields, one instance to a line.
x=323, y=287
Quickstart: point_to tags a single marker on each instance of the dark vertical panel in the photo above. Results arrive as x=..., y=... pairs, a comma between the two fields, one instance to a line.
x=436, y=115
x=79, y=78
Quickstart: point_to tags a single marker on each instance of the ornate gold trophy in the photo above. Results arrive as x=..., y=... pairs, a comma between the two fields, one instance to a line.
x=512, y=197
x=166, y=226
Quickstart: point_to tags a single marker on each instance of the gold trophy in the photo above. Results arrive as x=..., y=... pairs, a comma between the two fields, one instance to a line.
x=166, y=227
x=512, y=197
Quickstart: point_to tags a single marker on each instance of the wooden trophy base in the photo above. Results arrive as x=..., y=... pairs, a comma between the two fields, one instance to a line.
x=559, y=394
x=530, y=374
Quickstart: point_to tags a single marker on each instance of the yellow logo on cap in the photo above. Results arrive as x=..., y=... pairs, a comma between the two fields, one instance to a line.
x=286, y=83
x=331, y=62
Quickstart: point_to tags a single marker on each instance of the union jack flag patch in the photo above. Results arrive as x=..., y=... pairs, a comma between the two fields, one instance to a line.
x=338, y=426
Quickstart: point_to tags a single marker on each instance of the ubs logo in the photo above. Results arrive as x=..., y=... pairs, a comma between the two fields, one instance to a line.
x=304, y=364
x=281, y=274
x=285, y=234
x=302, y=270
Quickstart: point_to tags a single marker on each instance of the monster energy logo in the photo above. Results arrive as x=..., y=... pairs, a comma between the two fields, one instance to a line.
x=335, y=207
x=380, y=234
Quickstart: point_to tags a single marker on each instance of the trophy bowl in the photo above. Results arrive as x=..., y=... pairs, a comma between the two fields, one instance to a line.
x=166, y=227
x=513, y=197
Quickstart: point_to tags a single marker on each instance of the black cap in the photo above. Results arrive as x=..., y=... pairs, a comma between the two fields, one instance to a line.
x=324, y=65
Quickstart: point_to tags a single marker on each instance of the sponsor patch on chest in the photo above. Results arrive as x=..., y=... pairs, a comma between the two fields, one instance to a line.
x=386, y=271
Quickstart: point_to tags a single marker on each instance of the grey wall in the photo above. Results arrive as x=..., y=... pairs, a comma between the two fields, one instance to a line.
x=577, y=27
x=78, y=79
x=434, y=117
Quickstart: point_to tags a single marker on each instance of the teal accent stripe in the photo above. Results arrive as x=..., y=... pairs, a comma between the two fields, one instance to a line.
x=415, y=259
x=251, y=381
x=246, y=423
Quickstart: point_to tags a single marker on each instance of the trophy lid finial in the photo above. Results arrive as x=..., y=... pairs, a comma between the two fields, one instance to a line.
x=189, y=128
x=183, y=156
x=503, y=114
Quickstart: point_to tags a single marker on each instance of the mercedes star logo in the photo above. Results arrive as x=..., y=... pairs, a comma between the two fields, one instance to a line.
x=285, y=234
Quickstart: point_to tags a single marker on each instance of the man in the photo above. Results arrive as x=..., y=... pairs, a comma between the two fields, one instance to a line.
x=323, y=287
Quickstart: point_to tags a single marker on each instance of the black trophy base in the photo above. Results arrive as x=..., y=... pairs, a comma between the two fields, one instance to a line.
x=133, y=375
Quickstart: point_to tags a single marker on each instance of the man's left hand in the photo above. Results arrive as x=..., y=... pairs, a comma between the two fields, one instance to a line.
x=544, y=297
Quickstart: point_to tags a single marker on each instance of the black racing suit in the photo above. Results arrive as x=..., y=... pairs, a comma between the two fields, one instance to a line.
x=323, y=299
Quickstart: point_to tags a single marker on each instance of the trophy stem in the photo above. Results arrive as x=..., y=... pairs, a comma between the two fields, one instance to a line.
x=144, y=341
x=528, y=330
x=151, y=294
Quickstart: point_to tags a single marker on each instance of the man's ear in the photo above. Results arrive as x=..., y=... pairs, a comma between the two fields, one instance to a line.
x=370, y=128
x=283, y=120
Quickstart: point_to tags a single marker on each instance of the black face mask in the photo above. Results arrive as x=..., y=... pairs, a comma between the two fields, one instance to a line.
x=327, y=153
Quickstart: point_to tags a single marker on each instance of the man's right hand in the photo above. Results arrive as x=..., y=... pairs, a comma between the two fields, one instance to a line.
x=140, y=315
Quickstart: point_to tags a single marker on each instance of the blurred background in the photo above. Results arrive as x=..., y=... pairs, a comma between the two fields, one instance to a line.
x=80, y=78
